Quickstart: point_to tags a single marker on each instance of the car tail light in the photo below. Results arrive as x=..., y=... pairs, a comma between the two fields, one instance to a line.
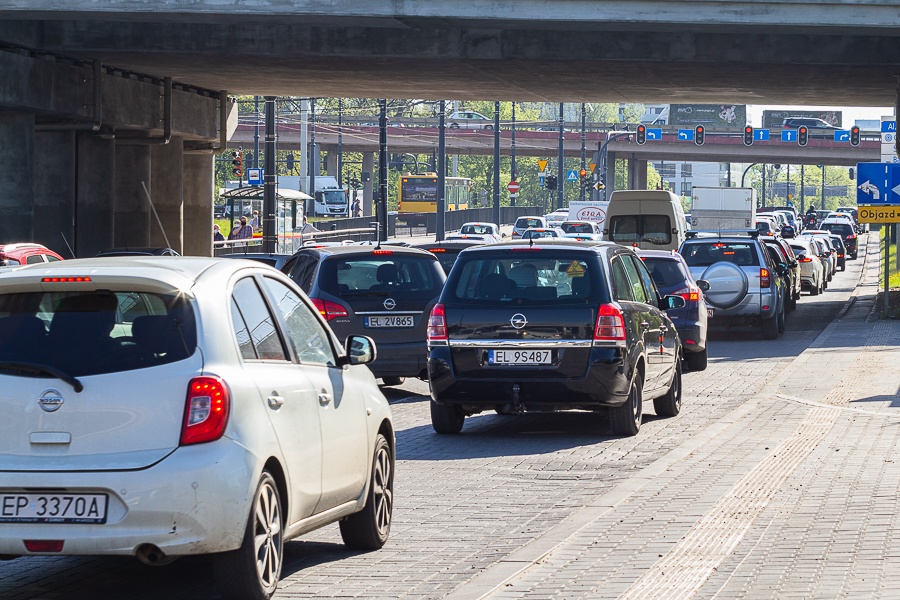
x=690, y=294
x=437, y=324
x=205, y=411
x=852, y=236
x=329, y=310
x=79, y=279
x=437, y=250
x=525, y=249
x=610, y=324
x=382, y=252
x=805, y=259
x=765, y=280
x=44, y=545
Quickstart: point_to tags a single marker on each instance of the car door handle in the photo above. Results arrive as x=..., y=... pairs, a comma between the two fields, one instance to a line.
x=275, y=401
x=324, y=398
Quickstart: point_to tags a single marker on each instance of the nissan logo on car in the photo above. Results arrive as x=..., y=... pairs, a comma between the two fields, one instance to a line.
x=518, y=321
x=50, y=400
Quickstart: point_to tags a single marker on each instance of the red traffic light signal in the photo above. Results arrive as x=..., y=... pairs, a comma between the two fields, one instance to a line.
x=748, y=136
x=803, y=135
x=641, y=134
x=582, y=173
x=699, y=135
x=237, y=164
x=854, y=136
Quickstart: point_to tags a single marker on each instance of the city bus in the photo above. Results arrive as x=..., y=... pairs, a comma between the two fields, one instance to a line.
x=417, y=194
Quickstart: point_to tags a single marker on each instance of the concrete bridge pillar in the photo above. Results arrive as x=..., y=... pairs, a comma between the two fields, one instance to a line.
x=16, y=177
x=368, y=166
x=94, y=195
x=131, y=226
x=198, y=183
x=609, y=174
x=167, y=192
x=54, y=190
x=637, y=174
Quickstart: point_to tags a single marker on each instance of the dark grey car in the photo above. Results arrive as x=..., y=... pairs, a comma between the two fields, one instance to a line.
x=384, y=292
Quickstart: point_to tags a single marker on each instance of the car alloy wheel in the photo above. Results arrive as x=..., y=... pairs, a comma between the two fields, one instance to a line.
x=669, y=405
x=369, y=528
x=626, y=419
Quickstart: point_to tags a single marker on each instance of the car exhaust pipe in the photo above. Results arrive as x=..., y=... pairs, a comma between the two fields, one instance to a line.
x=151, y=555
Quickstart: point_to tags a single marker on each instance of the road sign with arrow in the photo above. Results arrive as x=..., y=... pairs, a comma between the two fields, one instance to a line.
x=879, y=183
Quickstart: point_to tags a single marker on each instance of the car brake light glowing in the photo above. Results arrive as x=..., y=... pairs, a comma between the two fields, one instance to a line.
x=382, y=252
x=437, y=250
x=44, y=545
x=805, y=259
x=525, y=249
x=765, y=279
x=610, y=324
x=689, y=294
x=437, y=324
x=80, y=279
x=329, y=310
x=206, y=410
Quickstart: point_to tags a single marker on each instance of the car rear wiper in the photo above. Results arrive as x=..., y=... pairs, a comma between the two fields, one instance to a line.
x=363, y=293
x=45, y=369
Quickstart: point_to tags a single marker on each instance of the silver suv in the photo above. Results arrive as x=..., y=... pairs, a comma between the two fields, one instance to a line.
x=746, y=287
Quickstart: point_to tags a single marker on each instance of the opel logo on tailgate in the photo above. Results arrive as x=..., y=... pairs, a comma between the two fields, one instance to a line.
x=518, y=321
x=50, y=400
x=390, y=304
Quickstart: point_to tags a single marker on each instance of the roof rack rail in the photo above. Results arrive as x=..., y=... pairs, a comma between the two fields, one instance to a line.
x=693, y=233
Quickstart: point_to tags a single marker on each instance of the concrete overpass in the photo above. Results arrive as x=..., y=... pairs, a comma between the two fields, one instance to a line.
x=101, y=99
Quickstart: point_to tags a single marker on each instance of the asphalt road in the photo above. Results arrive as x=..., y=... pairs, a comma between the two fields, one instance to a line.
x=554, y=506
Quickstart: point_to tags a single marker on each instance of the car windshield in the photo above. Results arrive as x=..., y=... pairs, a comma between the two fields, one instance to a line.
x=703, y=254
x=406, y=277
x=527, y=278
x=95, y=332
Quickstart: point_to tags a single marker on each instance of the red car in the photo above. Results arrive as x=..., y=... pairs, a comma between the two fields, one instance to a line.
x=26, y=254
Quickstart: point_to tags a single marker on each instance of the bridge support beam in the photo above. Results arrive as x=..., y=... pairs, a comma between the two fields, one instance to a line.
x=198, y=185
x=167, y=192
x=94, y=194
x=637, y=173
x=55, y=190
x=132, y=211
x=17, y=176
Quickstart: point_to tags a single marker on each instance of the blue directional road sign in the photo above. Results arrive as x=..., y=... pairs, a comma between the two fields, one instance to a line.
x=879, y=183
x=842, y=135
x=541, y=179
x=889, y=127
x=254, y=177
x=654, y=134
x=686, y=134
x=572, y=175
x=788, y=135
x=760, y=135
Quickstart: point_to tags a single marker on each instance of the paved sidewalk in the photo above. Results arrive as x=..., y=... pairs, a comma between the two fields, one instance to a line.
x=792, y=494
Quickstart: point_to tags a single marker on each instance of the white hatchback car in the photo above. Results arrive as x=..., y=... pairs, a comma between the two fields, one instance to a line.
x=160, y=407
x=469, y=119
x=486, y=232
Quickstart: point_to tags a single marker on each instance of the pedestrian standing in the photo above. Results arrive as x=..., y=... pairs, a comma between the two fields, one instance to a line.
x=217, y=234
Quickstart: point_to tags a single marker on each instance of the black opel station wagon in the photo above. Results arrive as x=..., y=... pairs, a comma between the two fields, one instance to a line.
x=549, y=326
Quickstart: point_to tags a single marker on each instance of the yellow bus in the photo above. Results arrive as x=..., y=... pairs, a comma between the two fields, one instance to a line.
x=418, y=194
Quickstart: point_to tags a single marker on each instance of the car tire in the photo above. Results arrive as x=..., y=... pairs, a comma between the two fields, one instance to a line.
x=369, y=528
x=454, y=125
x=770, y=328
x=447, y=418
x=814, y=290
x=854, y=255
x=781, y=322
x=489, y=127
x=393, y=380
x=696, y=361
x=669, y=405
x=252, y=571
x=626, y=419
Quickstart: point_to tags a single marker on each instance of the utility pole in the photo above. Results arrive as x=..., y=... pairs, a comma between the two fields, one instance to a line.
x=560, y=179
x=270, y=232
x=512, y=154
x=496, y=208
x=440, y=222
x=340, y=150
x=313, y=154
x=583, y=151
x=255, y=164
x=382, y=203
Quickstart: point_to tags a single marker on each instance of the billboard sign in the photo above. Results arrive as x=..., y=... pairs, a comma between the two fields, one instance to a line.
x=588, y=211
x=729, y=117
x=773, y=119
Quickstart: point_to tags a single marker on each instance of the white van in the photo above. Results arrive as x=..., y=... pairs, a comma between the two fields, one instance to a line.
x=647, y=219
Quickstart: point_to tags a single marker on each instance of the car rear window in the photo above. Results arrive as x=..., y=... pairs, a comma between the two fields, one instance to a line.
x=577, y=228
x=525, y=278
x=401, y=276
x=666, y=272
x=631, y=229
x=536, y=234
x=841, y=228
x=703, y=254
x=525, y=223
x=95, y=332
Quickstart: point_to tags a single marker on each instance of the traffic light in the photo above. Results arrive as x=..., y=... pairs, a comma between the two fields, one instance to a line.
x=854, y=136
x=803, y=135
x=852, y=173
x=582, y=173
x=699, y=135
x=748, y=136
x=641, y=134
x=550, y=180
x=237, y=163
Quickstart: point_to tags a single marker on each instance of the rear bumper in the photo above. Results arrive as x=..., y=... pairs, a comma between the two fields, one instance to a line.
x=399, y=360
x=605, y=384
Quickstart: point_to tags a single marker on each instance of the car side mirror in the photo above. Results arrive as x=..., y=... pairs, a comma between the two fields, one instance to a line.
x=359, y=350
x=670, y=302
x=703, y=285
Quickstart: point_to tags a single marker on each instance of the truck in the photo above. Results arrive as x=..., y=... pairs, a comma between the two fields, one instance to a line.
x=331, y=200
x=723, y=209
